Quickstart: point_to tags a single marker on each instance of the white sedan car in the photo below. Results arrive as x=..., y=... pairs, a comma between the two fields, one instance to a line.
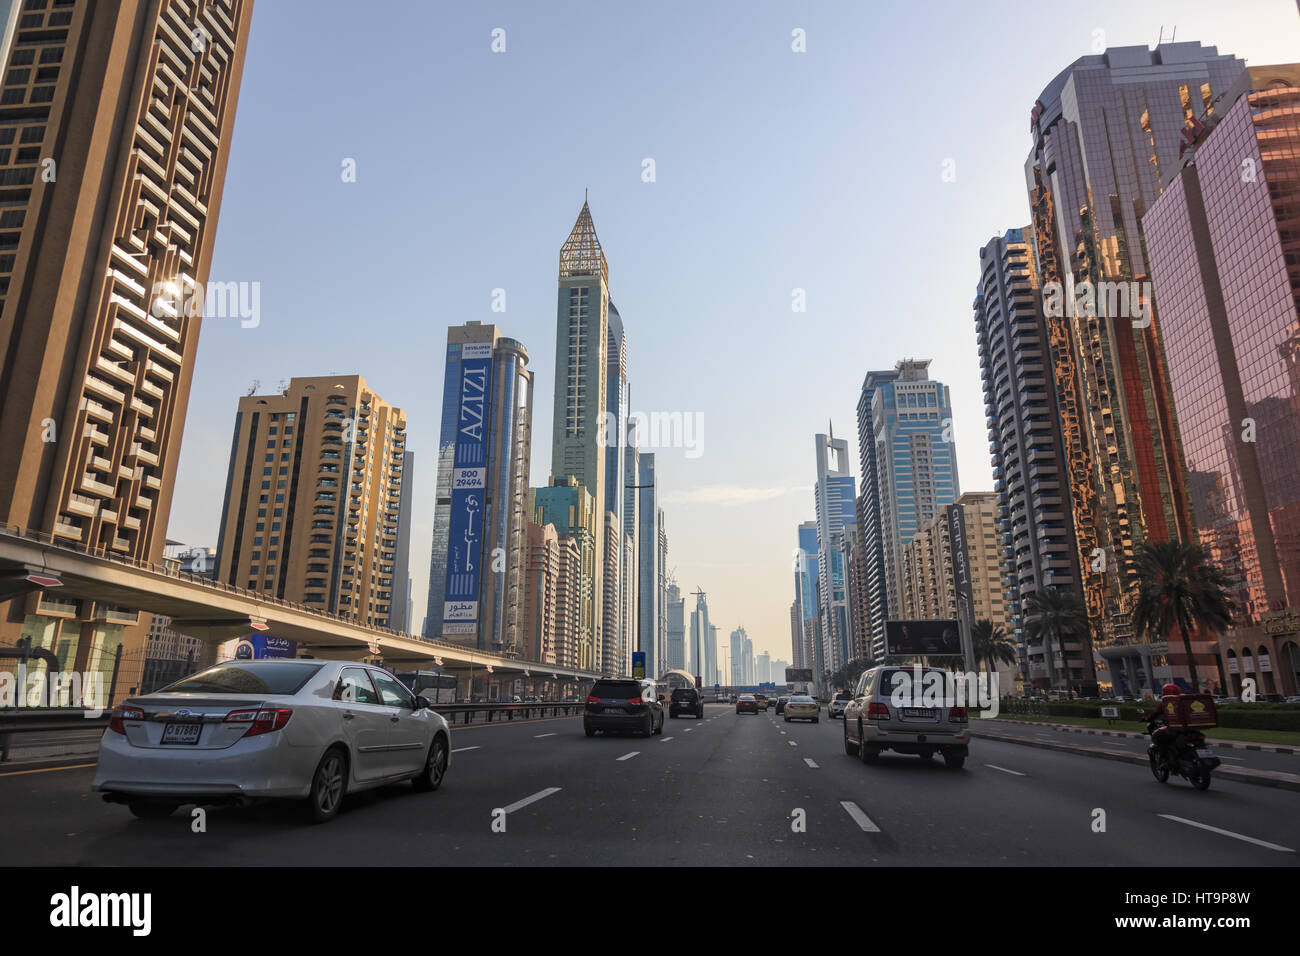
x=247, y=730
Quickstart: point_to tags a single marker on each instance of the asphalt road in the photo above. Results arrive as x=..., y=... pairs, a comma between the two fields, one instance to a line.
x=726, y=790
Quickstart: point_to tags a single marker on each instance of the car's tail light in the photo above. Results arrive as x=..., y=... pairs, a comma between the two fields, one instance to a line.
x=635, y=700
x=877, y=711
x=593, y=700
x=123, y=713
x=262, y=721
x=957, y=715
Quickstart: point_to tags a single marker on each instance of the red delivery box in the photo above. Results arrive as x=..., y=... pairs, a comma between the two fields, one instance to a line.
x=1191, y=710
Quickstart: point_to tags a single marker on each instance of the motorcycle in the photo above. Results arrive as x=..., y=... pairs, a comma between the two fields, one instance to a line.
x=1187, y=754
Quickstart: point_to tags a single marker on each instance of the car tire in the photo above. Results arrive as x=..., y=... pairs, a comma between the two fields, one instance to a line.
x=435, y=767
x=672, y=716
x=152, y=809
x=787, y=720
x=850, y=748
x=817, y=720
x=589, y=731
x=661, y=727
x=649, y=729
x=954, y=761
x=329, y=785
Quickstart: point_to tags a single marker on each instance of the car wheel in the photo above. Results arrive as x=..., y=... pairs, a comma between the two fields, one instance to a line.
x=787, y=720
x=954, y=761
x=673, y=716
x=589, y=731
x=817, y=720
x=649, y=728
x=661, y=726
x=850, y=747
x=328, y=786
x=152, y=809
x=435, y=767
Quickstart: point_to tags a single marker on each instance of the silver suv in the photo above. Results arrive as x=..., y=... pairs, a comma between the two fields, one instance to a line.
x=909, y=710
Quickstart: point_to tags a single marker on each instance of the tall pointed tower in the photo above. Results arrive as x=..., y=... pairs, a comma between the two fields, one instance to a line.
x=581, y=366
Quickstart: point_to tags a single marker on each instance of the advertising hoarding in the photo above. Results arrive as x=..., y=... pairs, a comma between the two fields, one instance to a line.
x=918, y=638
x=468, y=485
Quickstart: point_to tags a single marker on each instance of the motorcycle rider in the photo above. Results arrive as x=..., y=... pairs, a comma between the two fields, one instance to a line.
x=1163, y=736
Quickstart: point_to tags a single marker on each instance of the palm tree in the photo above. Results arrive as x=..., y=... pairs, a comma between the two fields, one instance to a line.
x=991, y=645
x=1054, y=615
x=1178, y=587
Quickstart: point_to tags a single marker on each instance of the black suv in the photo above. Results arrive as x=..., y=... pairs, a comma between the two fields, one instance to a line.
x=625, y=704
x=686, y=700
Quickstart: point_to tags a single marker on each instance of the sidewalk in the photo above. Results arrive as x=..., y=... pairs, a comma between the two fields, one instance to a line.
x=1262, y=778
x=1075, y=728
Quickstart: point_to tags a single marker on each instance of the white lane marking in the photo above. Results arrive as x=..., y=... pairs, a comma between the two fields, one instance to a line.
x=810, y=762
x=1228, y=833
x=540, y=736
x=665, y=740
x=860, y=818
x=792, y=743
x=783, y=733
x=539, y=795
x=688, y=730
x=629, y=756
x=460, y=750
x=993, y=766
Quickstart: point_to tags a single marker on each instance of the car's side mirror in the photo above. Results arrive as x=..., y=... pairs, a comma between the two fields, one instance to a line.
x=422, y=702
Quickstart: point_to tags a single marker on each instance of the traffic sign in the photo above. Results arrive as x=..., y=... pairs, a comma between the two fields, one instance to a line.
x=638, y=664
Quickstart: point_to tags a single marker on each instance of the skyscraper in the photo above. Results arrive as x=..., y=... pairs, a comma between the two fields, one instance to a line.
x=648, y=570
x=806, y=595
x=676, y=626
x=870, y=528
x=1036, y=517
x=480, y=504
x=1224, y=243
x=400, y=617
x=914, y=469
x=1107, y=133
x=114, y=138
x=312, y=508
x=698, y=655
x=541, y=588
x=581, y=369
x=572, y=510
x=835, y=499
x=618, y=633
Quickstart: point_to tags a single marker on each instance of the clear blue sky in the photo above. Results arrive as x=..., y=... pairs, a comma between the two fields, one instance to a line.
x=775, y=171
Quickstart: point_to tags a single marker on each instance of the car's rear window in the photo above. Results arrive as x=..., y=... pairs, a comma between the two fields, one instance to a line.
x=616, y=688
x=844, y=695
x=747, y=697
x=261, y=677
x=800, y=700
x=683, y=693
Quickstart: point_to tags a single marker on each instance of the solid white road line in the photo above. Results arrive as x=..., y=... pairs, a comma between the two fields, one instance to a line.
x=860, y=818
x=459, y=750
x=1227, y=833
x=810, y=762
x=539, y=795
x=993, y=766
x=629, y=756
x=540, y=736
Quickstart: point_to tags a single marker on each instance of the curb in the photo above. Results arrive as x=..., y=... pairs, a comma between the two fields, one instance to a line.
x=1075, y=728
x=1262, y=778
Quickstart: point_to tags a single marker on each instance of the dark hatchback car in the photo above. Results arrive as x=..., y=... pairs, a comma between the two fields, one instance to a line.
x=686, y=700
x=623, y=704
x=780, y=704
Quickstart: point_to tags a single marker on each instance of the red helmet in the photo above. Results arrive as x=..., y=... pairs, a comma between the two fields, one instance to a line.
x=1170, y=690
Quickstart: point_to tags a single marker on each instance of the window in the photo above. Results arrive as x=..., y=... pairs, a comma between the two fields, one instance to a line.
x=354, y=687
x=392, y=691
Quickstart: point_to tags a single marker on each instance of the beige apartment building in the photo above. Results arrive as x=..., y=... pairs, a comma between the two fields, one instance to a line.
x=313, y=497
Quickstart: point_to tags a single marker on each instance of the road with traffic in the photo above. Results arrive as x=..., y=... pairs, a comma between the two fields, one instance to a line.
x=726, y=790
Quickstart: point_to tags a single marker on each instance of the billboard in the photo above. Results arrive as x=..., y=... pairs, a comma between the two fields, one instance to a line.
x=468, y=485
x=961, y=574
x=796, y=674
x=638, y=663
x=915, y=638
x=256, y=647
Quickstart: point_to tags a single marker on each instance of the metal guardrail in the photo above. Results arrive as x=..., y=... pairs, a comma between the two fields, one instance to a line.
x=20, y=721
x=24, y=721
x=492, y=711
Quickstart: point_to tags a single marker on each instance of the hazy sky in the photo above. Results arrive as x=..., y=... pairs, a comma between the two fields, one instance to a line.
x=774, y=171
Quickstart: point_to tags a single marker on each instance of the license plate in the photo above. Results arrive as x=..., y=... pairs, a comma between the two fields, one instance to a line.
x=1205, y=753
x=917, y=712
x=183, y=733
